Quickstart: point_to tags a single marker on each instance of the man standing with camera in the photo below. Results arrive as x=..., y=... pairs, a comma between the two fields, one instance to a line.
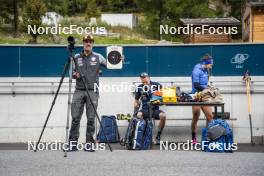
x=89, y=64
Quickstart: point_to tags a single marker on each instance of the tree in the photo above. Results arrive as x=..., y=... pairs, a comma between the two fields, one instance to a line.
x=121, y=5
x=9, y=11
x=34, y=10
x=58, y=6
x=77, y=6
x=154, y=12
x=236, y=11
x=169, y=12
x=92, y=9
x=16, y=19
x=5, y=10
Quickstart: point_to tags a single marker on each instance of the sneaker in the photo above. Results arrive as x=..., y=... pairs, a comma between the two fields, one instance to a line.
x=72, y=148
x=88, y=147
x=157, y=140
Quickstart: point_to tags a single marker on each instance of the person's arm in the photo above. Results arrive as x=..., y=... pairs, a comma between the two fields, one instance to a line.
x=75, y=74
x=136, y=103
x=198, y=87
x=102, y=60
x=137, y=97
x=159, y=86
x=196, y=80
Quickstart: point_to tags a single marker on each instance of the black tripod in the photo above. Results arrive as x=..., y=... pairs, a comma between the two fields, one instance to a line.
x=67, y=66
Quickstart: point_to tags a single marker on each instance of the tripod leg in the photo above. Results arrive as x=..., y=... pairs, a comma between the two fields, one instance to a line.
x=101, y=126
x=69, y=106
x=90, y=99
x=96, y=130
x=66, y=67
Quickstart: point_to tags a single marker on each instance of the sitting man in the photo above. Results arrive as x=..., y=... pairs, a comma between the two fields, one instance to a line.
x=142, y=98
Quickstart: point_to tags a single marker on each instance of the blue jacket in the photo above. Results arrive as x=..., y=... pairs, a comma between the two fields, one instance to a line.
x=199, y=75
x=144, y=93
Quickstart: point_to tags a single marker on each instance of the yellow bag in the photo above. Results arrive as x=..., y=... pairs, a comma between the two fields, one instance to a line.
x=169, y=95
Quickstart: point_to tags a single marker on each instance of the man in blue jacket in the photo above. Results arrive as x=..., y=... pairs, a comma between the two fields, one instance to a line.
x=143, y=95
x=200, y=78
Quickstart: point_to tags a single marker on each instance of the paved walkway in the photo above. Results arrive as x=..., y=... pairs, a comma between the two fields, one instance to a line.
x=123, y=162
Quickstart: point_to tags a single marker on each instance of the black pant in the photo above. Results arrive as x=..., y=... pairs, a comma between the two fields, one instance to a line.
x=80, y=98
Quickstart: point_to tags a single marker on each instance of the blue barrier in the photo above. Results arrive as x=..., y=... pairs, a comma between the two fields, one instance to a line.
x=158, y=60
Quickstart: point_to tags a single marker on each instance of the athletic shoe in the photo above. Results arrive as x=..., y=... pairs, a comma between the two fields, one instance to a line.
x=88, y=147
x=157, y=140
x=72, y=148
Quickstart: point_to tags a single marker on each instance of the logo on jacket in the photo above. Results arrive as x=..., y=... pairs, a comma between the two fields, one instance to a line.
x=93, y=61
x=239, y=59
x=80, y=62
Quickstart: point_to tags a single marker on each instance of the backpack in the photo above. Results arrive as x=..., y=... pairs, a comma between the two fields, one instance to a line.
x=110, y=128
x=139, y=134
x=217, y=137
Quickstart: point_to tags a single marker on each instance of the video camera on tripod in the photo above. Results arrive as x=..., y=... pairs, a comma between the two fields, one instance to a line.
x=71, y=43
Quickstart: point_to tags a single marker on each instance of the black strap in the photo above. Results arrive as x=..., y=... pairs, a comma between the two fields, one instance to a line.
x=126, y=135
x=117, y=131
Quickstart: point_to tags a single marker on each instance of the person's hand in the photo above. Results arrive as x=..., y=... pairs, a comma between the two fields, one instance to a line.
x=136, y=104
x=76, y=75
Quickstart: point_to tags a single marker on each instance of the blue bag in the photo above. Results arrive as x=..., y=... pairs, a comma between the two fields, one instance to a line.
x=110, y=128
x=217, y=137
x=139, y=134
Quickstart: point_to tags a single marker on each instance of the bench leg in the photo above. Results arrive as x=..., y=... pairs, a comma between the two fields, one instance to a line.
x=215, y=112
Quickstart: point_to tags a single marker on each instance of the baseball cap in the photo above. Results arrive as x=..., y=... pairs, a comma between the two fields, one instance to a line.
x=143, y=75
x=88, y=38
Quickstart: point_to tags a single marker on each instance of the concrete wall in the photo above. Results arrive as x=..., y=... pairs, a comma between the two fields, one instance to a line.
x=23, y=113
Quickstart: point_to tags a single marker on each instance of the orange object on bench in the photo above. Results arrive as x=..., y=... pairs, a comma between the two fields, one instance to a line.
x=158, y=93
